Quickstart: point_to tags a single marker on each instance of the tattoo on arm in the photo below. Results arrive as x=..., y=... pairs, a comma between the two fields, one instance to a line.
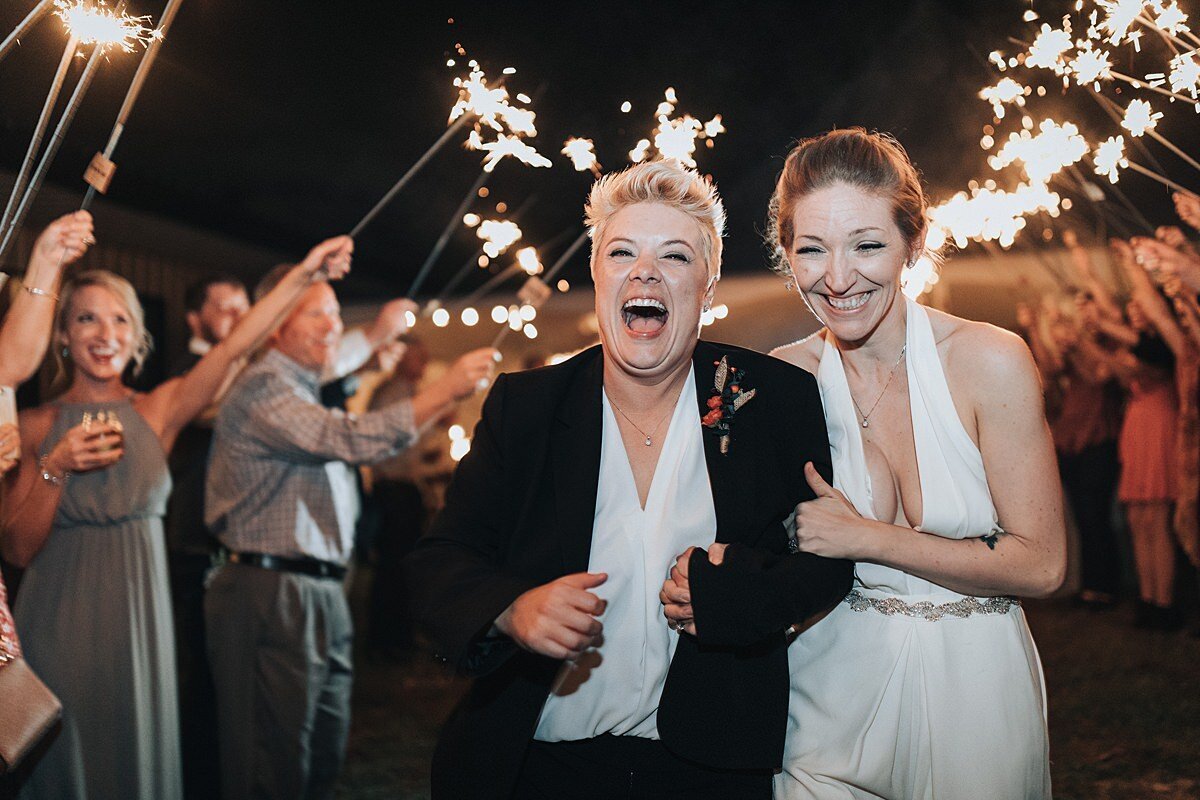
x=991, y=539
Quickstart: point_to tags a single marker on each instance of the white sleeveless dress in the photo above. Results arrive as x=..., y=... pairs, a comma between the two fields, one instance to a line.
x=907, y=690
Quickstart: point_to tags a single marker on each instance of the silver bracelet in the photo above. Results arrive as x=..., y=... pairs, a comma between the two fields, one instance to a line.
x=35, y=291
x=50, y=477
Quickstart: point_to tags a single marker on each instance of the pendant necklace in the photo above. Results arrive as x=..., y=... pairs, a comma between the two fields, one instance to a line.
x=649, y=440
x=865, y=417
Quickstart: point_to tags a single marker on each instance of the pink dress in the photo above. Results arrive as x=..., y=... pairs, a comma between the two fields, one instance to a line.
x=1149, y=470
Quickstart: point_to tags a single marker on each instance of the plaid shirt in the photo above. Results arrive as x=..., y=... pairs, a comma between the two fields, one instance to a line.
x=279, y=478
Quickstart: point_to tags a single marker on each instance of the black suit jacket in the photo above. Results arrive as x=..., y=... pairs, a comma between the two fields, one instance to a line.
x=519, y=513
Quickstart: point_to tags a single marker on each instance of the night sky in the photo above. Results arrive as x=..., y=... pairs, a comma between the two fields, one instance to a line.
x=280, y=122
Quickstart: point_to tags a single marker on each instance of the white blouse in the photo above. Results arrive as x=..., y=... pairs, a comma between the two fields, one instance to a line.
x=616, y=687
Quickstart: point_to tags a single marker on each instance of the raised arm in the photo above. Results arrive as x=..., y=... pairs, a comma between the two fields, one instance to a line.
x=26, y=330
x=1144, y=292
x=174, y=404
x=1081, y=261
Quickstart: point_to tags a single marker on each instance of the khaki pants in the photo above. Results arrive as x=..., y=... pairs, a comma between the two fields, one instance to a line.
x=279, y=645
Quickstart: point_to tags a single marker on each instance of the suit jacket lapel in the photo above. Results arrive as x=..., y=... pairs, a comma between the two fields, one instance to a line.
x=729, y=474
x=575, y=453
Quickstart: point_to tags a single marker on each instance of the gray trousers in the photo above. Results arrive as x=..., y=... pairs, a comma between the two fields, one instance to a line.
x=279, y=646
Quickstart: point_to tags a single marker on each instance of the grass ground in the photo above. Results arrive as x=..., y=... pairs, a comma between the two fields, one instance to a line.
x=1124, y=712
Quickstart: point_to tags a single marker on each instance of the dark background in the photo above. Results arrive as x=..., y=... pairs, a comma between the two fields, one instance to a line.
x=280, y=122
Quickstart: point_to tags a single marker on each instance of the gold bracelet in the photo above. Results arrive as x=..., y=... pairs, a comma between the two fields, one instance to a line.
x=36, y=292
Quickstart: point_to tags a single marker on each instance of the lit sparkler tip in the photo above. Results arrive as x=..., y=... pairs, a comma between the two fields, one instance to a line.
x=582, y=154
x=506, y=146
x=95, y=23
x=626, y=107
x=1140, y=117
x=527, y=259
x=497, y=235
x=1110, y=156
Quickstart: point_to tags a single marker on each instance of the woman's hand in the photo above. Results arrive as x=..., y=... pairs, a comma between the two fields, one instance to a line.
x=10, y=447
x=827, y=526
x=65, y=240
x=1187, y=206
x=676, y=593
x=86, y=447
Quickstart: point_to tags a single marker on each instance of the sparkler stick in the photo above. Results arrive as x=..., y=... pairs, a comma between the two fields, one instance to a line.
x=1170, y=184
x=64, y=122
x=407, y=176
x=39, y=131
x=131, y=96
x=565, y=257
x=440, y=245
x=24, y=25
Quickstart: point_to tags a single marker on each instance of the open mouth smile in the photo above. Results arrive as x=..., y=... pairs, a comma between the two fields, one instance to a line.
x=644, y=316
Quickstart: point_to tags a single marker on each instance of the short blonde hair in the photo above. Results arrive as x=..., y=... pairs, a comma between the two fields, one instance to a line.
x=124, y=292
x=660, y=182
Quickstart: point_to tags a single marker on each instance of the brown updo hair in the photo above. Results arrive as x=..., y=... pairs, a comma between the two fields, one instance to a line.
x=872, y=161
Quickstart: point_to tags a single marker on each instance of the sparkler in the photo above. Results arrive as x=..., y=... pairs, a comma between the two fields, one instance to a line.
x=447, y=232
x=582, y=153
x=39, y=175
x=102, y=28
x=39, y=131
x=505, y=145
x=469, y=264
x=101, y=170
x=497, y=235
x=23, y=27
x=488, y=106
x=95, y=24
x=675, y=137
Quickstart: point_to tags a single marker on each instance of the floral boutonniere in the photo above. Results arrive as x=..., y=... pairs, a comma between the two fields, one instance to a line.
x=729, y=395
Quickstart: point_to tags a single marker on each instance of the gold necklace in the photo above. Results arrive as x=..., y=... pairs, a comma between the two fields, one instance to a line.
x=649, y=441
x=887, y=383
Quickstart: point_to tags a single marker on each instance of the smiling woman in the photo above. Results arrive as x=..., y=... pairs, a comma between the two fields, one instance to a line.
x=945, y=494
x=586, y=481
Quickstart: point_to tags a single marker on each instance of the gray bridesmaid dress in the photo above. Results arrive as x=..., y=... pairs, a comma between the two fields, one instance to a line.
x=94, y=611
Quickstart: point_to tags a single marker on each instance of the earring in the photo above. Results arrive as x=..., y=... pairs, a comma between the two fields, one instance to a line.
x=66, y=352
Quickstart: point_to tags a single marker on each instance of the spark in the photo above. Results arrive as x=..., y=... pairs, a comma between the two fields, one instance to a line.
x=1044, y=155
x=1091, y=65
x=1172, y=19
x=640, y=151
x=527, y=259
x=1110, y=156
x=497, y=235
x=676, y=139
x=505, y=145
x=490, y=104
x=1121, y=14
x=626, y=107
x=989, y=215
x=713, y=127
x=1048, y=48
x=1185, y=74
x=1006, y=91
x=1140, y=117
x=582, y=153
x=94, y=23
x=471, y=220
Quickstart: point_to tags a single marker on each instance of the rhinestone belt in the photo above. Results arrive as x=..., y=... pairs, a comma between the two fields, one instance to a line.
x=963, y=608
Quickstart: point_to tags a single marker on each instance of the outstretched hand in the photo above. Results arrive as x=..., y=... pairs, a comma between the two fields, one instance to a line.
x=65, y=240
x=825, y=525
